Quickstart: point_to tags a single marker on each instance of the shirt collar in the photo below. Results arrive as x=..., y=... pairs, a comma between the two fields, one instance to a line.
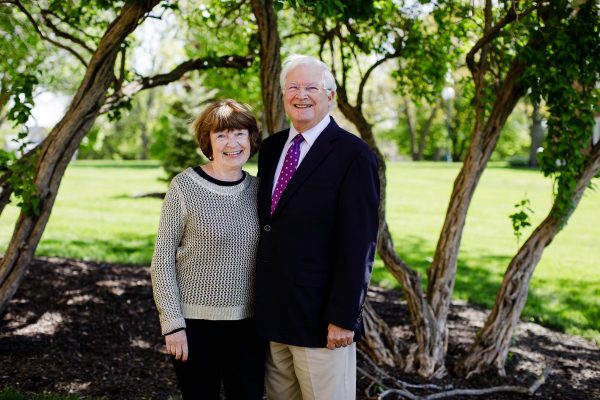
x=311, y=134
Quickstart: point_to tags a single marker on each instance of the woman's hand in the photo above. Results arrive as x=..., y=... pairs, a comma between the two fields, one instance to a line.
x=177, y=345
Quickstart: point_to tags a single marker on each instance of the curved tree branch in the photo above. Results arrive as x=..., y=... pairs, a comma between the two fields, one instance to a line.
x=197, y=64
x=63, y=34
x=65, y=21
x=44, y=36
x=363, y=81
x=58, y=148
x=293, y=35
x=229, y=12
x=119, y=81
x=494, y=31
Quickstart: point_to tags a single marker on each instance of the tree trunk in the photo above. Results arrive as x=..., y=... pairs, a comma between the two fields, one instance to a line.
x=59, y=147
x=419, y=310
x=270, y=65
x=424, y=133
x=144, y=137
x=6, y=190
x=412, y=131
x=378, y=341
x=421, y=314
x=442, y=271
x=537, y=134
x=491, y=346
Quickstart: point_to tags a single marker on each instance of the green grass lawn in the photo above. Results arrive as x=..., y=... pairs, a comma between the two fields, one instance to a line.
x=96, y=217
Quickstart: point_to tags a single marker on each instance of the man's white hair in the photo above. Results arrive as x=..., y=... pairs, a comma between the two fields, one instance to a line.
x=295, y=60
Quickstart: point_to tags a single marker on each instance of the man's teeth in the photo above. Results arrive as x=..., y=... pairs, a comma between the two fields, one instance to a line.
x=303, y=105
x=232, y=153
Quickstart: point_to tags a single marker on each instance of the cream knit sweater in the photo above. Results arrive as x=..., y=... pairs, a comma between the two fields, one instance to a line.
x=203, y=262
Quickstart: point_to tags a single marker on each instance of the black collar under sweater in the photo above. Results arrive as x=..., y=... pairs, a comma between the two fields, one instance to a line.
x=209, y=178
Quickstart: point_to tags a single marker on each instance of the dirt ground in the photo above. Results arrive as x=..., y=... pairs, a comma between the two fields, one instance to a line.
x=91, y=329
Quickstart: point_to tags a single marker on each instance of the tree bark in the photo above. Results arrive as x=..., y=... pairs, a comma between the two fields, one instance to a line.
x=270, y=65
x=537, y=134
x=442, y=272
x=6, y=190
x=58, y=148
x=419, y=310
x=418, y=137
x=424, y=133
x=412, y=130
x=492, y=344
x=145, y=141
x=421, y=314
x=378, y=341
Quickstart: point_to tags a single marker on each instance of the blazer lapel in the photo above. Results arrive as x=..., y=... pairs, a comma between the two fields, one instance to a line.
x=270, y=165
x=317, y=153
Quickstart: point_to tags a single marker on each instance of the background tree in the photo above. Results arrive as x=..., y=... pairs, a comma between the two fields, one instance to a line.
x=419, y=126
x=270, y=64
x=536, y=132
x=513, y=144
x=496, y=69
x=563, y=72
x=462, y=118
x=175, y=146
x=58, y=149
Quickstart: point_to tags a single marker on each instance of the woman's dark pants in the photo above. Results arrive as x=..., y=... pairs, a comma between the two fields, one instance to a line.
x=227, y=352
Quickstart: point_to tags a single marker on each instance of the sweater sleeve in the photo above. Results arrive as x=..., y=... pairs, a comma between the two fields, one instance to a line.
x=163, y=267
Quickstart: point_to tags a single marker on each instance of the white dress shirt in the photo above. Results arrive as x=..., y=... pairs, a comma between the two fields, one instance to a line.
x=309, y=138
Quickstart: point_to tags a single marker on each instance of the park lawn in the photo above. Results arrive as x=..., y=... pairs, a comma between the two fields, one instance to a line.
x=565, y=289
x=96, y=217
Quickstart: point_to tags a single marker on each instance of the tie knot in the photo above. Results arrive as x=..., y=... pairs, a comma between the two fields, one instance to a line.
x=297, y=139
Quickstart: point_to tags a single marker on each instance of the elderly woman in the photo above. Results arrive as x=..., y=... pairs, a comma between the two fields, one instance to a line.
x=203, y=263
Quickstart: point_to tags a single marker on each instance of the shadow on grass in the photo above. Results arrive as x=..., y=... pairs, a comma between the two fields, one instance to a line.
x=573, y=309
x=562, y=305
x=116, y=164
x=475, y=284
x=124, y=249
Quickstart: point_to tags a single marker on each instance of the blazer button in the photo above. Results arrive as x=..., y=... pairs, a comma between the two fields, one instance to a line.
x=267, y=228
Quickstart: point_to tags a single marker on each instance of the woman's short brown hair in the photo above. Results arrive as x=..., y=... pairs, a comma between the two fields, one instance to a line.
x=224, y=115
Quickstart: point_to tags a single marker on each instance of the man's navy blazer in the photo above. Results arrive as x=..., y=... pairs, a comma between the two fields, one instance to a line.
x=316, y=251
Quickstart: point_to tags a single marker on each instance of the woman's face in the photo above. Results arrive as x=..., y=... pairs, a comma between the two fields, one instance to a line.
x=230, y=149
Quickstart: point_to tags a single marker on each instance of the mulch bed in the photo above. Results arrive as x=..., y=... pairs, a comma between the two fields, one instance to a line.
x=91, y=329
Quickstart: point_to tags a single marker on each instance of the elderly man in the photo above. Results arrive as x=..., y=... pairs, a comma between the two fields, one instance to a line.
x=318, y=201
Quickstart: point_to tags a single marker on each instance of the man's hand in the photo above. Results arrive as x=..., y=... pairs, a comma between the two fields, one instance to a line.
x=338, y=337
x=177, y=345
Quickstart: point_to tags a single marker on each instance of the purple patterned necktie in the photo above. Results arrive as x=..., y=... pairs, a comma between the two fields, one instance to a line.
x=287, y=170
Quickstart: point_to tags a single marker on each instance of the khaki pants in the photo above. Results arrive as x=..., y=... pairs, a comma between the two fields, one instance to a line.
x=305, y=373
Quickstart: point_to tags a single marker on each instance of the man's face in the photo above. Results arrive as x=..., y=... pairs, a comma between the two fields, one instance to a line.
x=305, y=100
